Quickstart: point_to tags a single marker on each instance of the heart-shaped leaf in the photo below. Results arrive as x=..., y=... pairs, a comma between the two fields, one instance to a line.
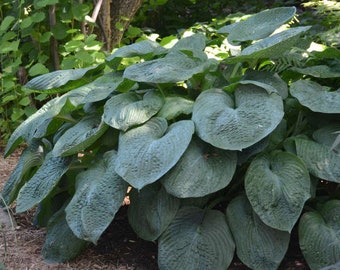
x=277, y=187
x=315, y=97
x=327, y=136
x=42, y=182
x=257, y=245
x=235, y=125
x=257, y=26
x=202, y=170
x=126, y=110
x=147, y=152
x=191, y=43
x=196, y=239
x=151, y=210
x=319, y=235
x=175, y=106
x=99, y=195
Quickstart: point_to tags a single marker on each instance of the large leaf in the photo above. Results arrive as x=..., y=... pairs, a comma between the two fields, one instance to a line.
x=327, y=136
x=42, y=182
x=257, y=245
x=202, y=170
x=277, y=187
x=271, y=46
x=175, y=106
x=126, y=110
x=151, y=210
x=315, y=97
x=64, y=80
x=319, y=235
x=61, y=244
x=193, y=43
x=259, y=25
x=80, y=136
x=30, y=157
x=99, y=195
x=196, y=239
x=147, y=152
x=320, y=71
x=175, y=67
x=320, y=161
x=235, y=125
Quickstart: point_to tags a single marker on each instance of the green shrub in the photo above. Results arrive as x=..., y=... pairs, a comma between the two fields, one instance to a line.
x=227, y=138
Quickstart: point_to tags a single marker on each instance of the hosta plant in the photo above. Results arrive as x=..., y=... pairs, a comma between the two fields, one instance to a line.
x=228, y=139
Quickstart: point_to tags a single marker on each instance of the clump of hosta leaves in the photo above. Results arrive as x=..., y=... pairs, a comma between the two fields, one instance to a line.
x=226, y=141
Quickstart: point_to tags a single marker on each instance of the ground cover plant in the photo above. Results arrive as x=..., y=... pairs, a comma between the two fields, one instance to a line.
x=228, y=138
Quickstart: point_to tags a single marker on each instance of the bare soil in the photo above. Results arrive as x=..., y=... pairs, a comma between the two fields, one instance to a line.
x=119, y=247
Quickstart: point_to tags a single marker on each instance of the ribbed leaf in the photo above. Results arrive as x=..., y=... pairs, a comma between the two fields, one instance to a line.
x=80, y=136
x=42, y=182
x=196, y=239
x=175, y=67
x=320, y=161
x=259, y=25
x=315, y=97
x=151, y=210
x=321, y=71
x=99, y=195
x=175, y=106
x=147, y=152
x=202, y=170
x=235, y=125
x=327, y=136
x=32, y=156
x=319, y=235
x=63, y=80
x=257, y=245
x=61, y=244
x=129, y=109
x=277, y=187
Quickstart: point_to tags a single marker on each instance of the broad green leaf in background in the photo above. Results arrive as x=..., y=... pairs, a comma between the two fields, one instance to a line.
x=320, y=71
x=175, y=67
x=203, y=169
x=319, y=235
x=99, y=195
x=196, y=239
x=175, y=106
x=319, y=159
x=257, y=26
x=42, y=182
x=193, y=43
x=80, y=136
x=30, y=157
x=235, y=125
x=147, y=152
x=151, y=210
x=129, y=109
x=61, y=244
x=315, y=97
x=257, y=245
x=277, y=186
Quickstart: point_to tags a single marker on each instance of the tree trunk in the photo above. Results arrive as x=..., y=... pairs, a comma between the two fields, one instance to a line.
x=116, y=16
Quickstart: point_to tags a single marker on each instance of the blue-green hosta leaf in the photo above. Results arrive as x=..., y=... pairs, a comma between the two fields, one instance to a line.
x=319, y=235
x=315, y=97
x=147, y=152
x=61, y=244
x=80, y=136
x=63, y=80
x=175, y=106
x=202, y=170
x=99, y=195
x=327, y=136
x=259, y=25
x=270, y=46
x=194, y=43
x=321, y=71
x=129, y=109
x=257, y=245
x=175, y=67
x=319, y=159
x=32, y=156
x=42, y=182
x=277, y=187
x=196, y=239
x=235, y=125
x=151, y=210
x=145, y=47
